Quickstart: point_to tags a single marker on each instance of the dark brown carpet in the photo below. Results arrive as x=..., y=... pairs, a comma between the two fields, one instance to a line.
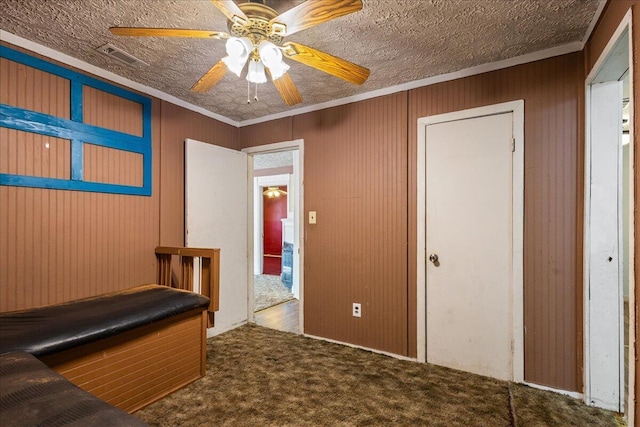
x=262, y=377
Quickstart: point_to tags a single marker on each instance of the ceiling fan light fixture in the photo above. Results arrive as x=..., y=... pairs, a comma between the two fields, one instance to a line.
x=256, y=33
x=271, y=56
x=269, y=53
x=278, y=70
x=238, y=50
x=256, y=72
x=234, y=64
x=272, y=192
x=239, y=47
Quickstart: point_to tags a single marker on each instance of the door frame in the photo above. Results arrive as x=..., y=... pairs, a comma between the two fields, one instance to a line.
x=297, y=144
x=517, y=109
x=624, y=25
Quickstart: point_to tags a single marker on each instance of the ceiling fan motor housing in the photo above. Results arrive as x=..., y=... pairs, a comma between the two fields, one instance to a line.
x=257, y=28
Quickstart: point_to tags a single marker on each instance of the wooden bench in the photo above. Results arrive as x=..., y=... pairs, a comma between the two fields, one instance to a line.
x=32, y=394
x=128, y=348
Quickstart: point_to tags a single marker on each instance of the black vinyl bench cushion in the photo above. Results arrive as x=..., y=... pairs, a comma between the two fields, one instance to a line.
x=50, y=329
x=31, y=394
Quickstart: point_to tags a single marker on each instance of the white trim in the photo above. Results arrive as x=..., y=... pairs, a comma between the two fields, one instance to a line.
x=250, y=240
x=586, y=241
x=633, y=203
x=272, y=180
x=624, y=25
x=372, y=350
x=517, y=108
x=115, y=78
x=573, y=394
x=276, y=146
x=594, y=21
x=478, y=69
x=297, y=144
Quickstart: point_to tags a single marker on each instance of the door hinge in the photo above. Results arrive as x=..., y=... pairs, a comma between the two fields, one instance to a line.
x=513, y=145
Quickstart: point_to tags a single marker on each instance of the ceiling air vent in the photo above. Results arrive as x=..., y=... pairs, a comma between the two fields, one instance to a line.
x=119, y=54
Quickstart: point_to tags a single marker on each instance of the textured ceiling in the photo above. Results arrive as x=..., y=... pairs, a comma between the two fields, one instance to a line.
x=398, y=40
x=273, y=160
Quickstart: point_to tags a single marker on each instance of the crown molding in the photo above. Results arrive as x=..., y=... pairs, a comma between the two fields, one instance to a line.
x=479, y=69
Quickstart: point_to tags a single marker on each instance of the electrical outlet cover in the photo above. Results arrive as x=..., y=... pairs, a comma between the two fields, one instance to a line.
x=357, y=309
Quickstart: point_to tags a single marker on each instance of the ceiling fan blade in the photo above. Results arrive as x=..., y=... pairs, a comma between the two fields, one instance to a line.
x=167, y=32
x=324, y=62
x=314, y=12
x=211, y=78
x=230, y=9
x=287, y=89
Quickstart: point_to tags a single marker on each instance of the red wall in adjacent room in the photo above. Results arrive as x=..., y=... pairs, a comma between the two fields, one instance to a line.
x=274, y=210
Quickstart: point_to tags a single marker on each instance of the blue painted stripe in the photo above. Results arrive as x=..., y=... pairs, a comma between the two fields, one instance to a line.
x=147, y=171
x=146, y=123
x=78, y=132
x=63, y=184
x=31, y=121
x=77, y=160
x=77, y=101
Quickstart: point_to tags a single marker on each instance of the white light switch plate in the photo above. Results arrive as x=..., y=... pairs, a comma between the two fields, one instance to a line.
x=312, y=217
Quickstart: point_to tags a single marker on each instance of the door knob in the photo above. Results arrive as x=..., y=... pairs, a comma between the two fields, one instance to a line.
x=433, y=258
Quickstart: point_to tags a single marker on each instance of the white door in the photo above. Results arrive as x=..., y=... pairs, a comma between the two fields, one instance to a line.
x=469, y=320
x=216, y=217
x=605, y=334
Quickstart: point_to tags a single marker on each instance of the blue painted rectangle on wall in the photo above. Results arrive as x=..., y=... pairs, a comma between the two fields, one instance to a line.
x=78, y=132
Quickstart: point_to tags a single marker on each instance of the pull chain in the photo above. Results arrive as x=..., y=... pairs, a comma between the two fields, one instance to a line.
x=248, y=92
x=256, y=97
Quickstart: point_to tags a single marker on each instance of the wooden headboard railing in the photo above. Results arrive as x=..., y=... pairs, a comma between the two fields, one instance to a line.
x=209, y=273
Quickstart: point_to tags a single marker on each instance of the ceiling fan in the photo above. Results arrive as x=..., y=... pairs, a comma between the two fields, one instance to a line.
x=256, y=35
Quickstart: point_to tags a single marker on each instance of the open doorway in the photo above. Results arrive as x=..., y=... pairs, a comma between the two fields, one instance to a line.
x=274, y=200
x=609, y=202
x=275, y=290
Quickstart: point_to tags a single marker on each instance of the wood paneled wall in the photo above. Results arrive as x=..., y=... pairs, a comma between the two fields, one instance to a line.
x=58, y=245
x=355, y=177
x=25, y=87
x=553, y=94
x=112, y=112
x=268, y=132
x=25, y=153
x=360, y=177
x=125, y=167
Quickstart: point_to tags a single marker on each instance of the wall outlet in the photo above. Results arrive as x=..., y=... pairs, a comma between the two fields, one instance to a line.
x=357, y=309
